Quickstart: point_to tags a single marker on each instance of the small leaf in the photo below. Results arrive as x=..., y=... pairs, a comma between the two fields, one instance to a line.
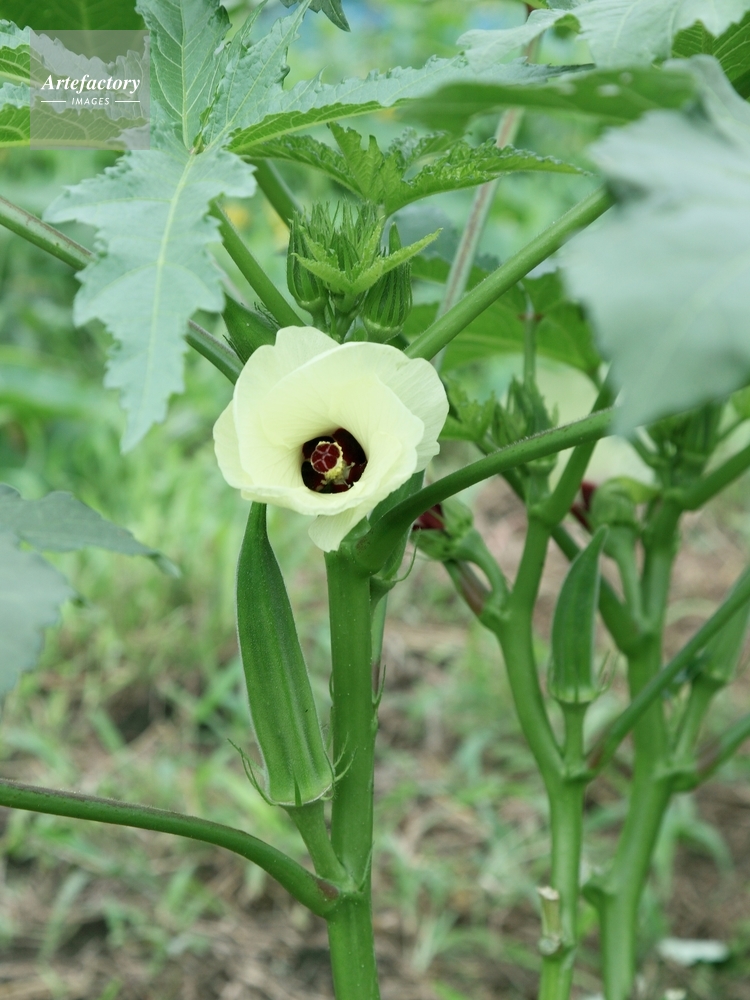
x=665, y=276
x=332, y=9
x=31, y=592
x=488, y=48
x=150, y=210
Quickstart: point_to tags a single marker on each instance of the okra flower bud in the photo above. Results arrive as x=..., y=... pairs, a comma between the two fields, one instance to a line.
x=387, y=304
x=307, y=290
x=297, y=768
x=329, y=429
x=570, y=679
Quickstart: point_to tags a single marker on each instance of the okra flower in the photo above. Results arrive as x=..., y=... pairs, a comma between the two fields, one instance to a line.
x=329, y=429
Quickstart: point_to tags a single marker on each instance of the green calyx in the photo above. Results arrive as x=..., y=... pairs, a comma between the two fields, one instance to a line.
x=570, y=679
x=441, y=532
x=287, y=728
x=308, y=292
x=684, y=443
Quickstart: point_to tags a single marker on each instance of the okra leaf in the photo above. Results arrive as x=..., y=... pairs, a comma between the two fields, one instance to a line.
x=332, y=9
x=614, y=96
x=31, y=592
x=61, y=523
x=186, y=37
x=14, y=115
x=252, y=77
x=562, y=334
x=731, y=49
x=635, y=32
x=311, y=102
x=665, y=276
x=14, y=54
x=74, y=15
x=379, y=177
x=153, y=270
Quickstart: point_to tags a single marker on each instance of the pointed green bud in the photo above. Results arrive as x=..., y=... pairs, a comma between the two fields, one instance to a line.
x=524, y=414
x=282, y=707
x=246, y=330
x=722, y=654
x=387, y=304
x=308, y=291
x=570, y=679
x=394, y=239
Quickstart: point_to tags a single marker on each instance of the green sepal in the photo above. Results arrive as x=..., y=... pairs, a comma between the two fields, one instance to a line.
x=287, y=728
x=246, y=330
x=612, y=504
x=446, y=544
x=570, y=679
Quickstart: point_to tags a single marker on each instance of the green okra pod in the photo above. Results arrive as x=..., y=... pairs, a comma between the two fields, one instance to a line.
x=571, y=677
x=287, y=728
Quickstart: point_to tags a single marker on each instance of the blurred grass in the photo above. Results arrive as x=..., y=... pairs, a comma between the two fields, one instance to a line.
x=140, y=690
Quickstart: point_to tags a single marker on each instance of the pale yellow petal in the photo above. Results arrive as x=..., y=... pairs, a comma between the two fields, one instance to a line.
x=227, y=450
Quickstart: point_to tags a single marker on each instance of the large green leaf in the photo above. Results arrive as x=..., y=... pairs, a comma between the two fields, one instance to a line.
x=634, y=32
x=60, y=522
x=31, y=592
x=185, y=37
x=615, y=96
x=150, y=211
x=14, y=54
x=14, y=115
x=665, y=276
x=312, y=102
x=73, y=15
x=379, y=177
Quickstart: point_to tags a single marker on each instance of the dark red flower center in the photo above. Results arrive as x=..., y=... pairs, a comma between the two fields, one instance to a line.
x=332, y=463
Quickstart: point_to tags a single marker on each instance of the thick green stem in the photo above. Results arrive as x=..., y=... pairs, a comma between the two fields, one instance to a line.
x=275, y=188
x=253, y=273
x=566, y=823
x=317, y=895
x=652, y=785
x=473, y=304
x=353, y=725
x=373, y=550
